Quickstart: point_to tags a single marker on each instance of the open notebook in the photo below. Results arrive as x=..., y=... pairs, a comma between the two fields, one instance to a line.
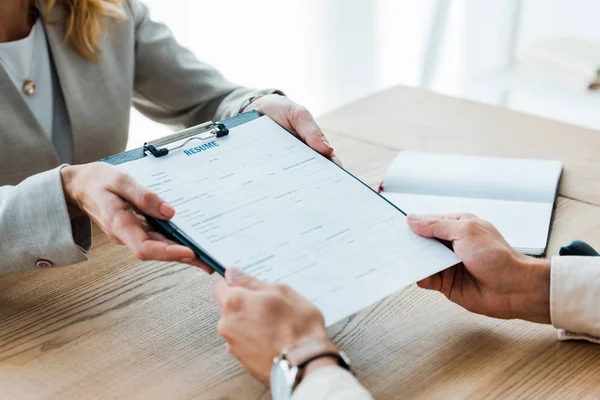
x=516, y=195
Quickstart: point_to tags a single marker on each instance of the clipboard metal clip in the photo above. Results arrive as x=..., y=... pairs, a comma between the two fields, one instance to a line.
x=205, y=131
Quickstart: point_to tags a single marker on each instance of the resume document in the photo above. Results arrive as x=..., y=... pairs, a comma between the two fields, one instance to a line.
x=262, y=200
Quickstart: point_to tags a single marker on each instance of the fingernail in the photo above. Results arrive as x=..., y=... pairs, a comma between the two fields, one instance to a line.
x=326, y=144
x=415, y=217
x=337, y=161
x=166, y=210
x=236, y=275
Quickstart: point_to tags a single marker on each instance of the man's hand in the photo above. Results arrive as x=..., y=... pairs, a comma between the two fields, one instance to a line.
x=116, y=202
x=493, y=279
x=295, y=119
x=261, y=319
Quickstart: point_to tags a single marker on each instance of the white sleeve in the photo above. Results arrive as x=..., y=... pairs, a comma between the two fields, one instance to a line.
x=331, y=383
x=575, y=298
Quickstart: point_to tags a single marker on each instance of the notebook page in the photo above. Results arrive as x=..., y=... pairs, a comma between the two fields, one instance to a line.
x=474, y=177
x=524, y=225
x=262, y=200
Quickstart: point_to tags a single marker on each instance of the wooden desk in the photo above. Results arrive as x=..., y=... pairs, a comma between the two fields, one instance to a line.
x=117, y=328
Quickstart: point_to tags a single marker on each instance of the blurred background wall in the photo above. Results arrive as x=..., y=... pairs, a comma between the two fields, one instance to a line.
x=325, y=53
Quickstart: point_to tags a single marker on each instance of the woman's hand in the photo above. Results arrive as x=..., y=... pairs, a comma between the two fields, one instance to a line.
x=261, y=319
x=493, y=279
x=295, y=119
x=115, y=201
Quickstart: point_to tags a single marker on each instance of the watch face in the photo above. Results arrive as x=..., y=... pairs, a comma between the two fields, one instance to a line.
x=283, y=376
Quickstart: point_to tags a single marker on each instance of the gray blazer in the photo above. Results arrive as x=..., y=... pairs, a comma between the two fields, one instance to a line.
x=142, y=65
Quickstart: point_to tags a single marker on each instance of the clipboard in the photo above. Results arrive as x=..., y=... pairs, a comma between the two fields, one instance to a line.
x=362, y=239
x=161, y=148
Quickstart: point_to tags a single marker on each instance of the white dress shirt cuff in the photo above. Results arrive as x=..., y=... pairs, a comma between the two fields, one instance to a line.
x=331, y=383
x=575, y=296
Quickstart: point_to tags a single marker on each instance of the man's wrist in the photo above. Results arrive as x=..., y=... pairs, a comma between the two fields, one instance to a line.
x=314, y=331
x=310, y=346
x=533, y=304
x=314, y=354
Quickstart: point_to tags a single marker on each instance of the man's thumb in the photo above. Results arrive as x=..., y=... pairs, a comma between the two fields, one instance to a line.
x=237, y=277
x=433, y=227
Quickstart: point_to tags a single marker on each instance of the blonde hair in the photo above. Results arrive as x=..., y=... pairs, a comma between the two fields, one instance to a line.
x=86, y=22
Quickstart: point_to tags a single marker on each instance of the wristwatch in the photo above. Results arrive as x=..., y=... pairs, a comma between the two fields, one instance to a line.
x=249, y=101
x=288, y=368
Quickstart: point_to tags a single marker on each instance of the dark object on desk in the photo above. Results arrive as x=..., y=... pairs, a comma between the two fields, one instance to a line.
x=578, y=248
x=595, y=85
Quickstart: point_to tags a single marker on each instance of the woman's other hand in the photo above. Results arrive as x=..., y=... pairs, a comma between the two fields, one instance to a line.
x=260, y=319
x=295, y=119
x=116, y=203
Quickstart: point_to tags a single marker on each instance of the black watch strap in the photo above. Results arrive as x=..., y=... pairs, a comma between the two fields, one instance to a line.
x=336, y=356
x=310, y=351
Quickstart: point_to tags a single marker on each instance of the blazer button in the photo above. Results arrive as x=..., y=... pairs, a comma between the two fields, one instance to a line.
x=43, y=264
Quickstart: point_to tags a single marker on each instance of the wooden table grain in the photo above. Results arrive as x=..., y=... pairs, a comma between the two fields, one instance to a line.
x=114, y=328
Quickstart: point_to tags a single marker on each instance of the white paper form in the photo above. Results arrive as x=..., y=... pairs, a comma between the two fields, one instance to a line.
x=262, y=200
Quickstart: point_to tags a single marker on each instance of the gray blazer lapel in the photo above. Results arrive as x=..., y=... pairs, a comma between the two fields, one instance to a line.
x=92, y=93
x=24, y=144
